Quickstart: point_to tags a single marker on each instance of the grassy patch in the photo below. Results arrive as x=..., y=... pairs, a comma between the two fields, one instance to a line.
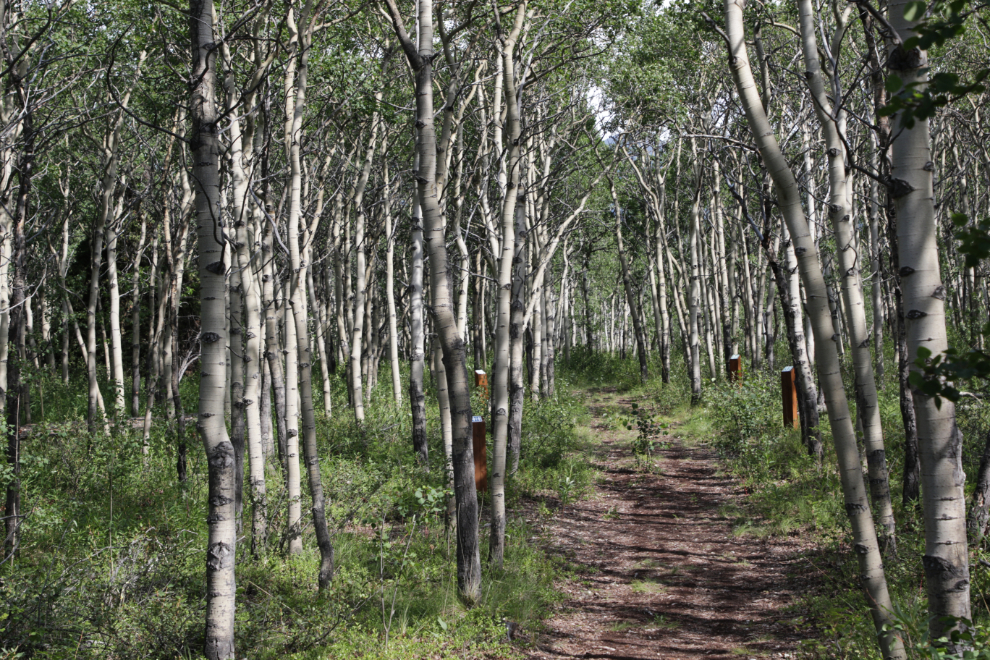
x=620, y=626
x=113, y=546
x=647, y=587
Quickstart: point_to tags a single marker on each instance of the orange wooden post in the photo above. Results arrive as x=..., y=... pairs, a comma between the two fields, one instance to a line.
x=788, y=392
x=735, y=369
x=480, y=454
x=481, y=380
x=479, y=431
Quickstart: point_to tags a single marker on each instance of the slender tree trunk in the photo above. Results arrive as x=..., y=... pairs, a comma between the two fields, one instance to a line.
x=503, y=321
x=272, y=345
x=360, y=292
x=297, y=302
x=247, y=358
x=694, y=301
x=946, y=559
x=17, y=393
x=630, y=293
x=421, y=59
x=116, y=338
x=517, y=330
x=536, y=326
x=867, y=405
x=417, y=395
x=204, y=144
x=136, y=320
x=979, y=508
x=235, y=366
x=293, y=479
x=393, y=334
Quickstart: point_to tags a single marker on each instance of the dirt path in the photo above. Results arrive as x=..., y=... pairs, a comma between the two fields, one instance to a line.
x=661, y=574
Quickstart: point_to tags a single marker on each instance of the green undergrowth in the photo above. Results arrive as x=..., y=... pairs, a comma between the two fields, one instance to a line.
x=112, y=560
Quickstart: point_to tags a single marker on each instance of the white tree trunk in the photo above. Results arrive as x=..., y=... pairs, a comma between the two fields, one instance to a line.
x=946, y=559
x=205, y=147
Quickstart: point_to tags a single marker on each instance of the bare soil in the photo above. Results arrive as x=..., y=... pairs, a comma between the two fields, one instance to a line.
x=658, y=570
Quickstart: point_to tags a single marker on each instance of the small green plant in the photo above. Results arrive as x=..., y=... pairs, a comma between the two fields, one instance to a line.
x=567, y=488
x=967, y=641
x=647, y=587
x=620, y=626
x=661, y=621
x=649, y=431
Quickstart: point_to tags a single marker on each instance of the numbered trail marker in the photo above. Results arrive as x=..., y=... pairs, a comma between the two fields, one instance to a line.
x=480, y=455
x=788, y=392
x=481, y=381
x=735, y=369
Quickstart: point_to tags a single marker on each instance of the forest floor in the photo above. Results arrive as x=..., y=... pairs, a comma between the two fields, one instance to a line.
x=658, y=571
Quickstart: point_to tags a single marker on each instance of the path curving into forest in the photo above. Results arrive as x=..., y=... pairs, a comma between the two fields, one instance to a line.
x=659, y=572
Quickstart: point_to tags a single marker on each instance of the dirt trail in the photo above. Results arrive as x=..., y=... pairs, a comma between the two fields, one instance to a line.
x=660, y=573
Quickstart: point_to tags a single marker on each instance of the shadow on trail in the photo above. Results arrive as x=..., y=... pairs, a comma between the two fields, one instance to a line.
x=661, y=573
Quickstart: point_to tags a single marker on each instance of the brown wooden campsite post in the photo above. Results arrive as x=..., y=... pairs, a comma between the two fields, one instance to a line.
x=481, y=380
x=480, y=455
x=788, y=392
x=735, y=369
x=478, y=437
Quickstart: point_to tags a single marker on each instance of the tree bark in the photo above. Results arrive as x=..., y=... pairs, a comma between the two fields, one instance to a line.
x=297, y=299
x=421, y=59
x=867, y=405
x=634, y=309
x=946, y=559
x=205, y=148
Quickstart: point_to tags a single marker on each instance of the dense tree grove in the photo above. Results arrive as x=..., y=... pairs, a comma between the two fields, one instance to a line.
x=272, y=204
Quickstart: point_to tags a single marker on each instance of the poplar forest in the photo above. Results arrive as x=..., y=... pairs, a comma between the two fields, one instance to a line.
x=510, y=329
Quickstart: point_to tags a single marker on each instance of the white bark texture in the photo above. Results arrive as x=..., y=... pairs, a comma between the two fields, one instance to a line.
x=946, y=560
x=205, y=148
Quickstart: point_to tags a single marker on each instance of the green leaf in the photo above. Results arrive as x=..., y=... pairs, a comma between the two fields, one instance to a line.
x=893, y=83
x=914, y=10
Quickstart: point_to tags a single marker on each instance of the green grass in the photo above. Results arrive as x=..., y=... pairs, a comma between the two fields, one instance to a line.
x=647, y=587
x=113, y=545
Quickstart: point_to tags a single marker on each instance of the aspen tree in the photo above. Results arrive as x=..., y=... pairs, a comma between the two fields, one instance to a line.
x=205, y=148
x=420, y=56
x=694, y=284
x=417, y=356
x=300, y=44
x=110, y=158
x=946, y=558
x=788, y=195
x=655, y=189
x=393, y=335
x=500, y=375
x=867, y=406
x=247, y=358
x=136, y=317
x=628, y=286
x=360, y=292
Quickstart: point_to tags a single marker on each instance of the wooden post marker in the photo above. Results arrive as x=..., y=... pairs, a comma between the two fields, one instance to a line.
x=788, y=392
x=478, y=436
x=735, y=369
x=481, y=380
x=480, y=454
